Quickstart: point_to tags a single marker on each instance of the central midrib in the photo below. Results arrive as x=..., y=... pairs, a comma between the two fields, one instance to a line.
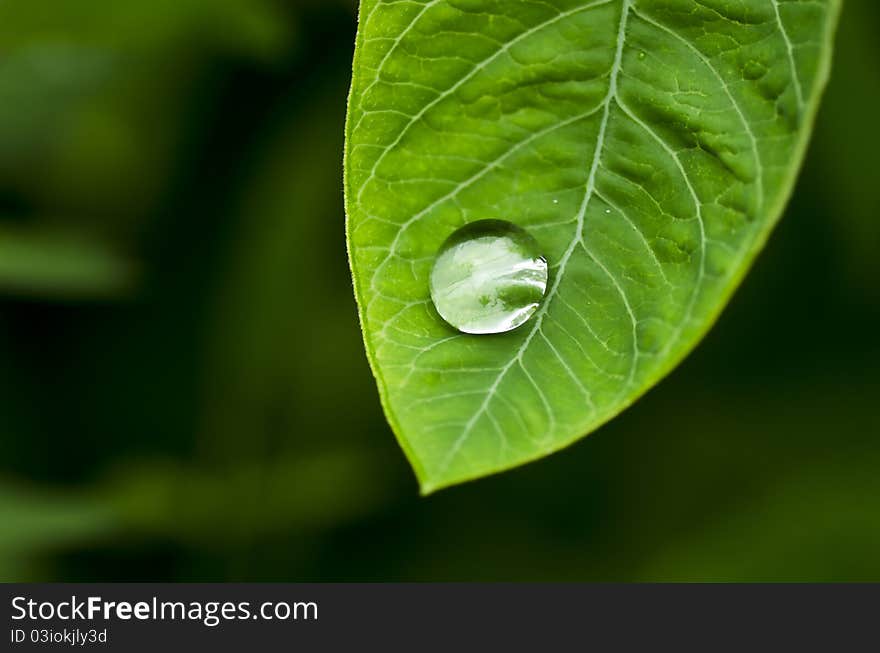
x=578, y=234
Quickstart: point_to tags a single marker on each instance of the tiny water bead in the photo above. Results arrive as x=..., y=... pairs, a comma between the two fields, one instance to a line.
x=489, y=277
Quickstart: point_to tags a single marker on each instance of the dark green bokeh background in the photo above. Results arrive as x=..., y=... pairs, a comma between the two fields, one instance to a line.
x=183, y=391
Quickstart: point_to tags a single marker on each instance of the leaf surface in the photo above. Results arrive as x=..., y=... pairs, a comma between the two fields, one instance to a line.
x=648, y=145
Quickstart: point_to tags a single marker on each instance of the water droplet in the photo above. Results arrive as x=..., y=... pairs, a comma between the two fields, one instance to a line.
x=556, y=201
x=641, y=55
x=489, y=277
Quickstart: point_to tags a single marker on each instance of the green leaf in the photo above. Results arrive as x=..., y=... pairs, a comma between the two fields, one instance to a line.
x=54, y=264
x=648, y=145
x=35, y=521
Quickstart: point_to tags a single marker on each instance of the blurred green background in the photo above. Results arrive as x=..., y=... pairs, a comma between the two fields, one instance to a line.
x=183, y=390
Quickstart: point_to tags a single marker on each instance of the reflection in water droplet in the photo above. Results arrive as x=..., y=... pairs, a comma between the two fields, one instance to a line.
x=489, y=277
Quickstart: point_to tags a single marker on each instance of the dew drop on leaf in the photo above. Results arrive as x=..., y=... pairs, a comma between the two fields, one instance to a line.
x=489, y=277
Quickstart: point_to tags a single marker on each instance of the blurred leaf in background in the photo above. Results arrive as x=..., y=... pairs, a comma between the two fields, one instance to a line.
x=51, y=264
x=196, y=403
x=96, y=95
